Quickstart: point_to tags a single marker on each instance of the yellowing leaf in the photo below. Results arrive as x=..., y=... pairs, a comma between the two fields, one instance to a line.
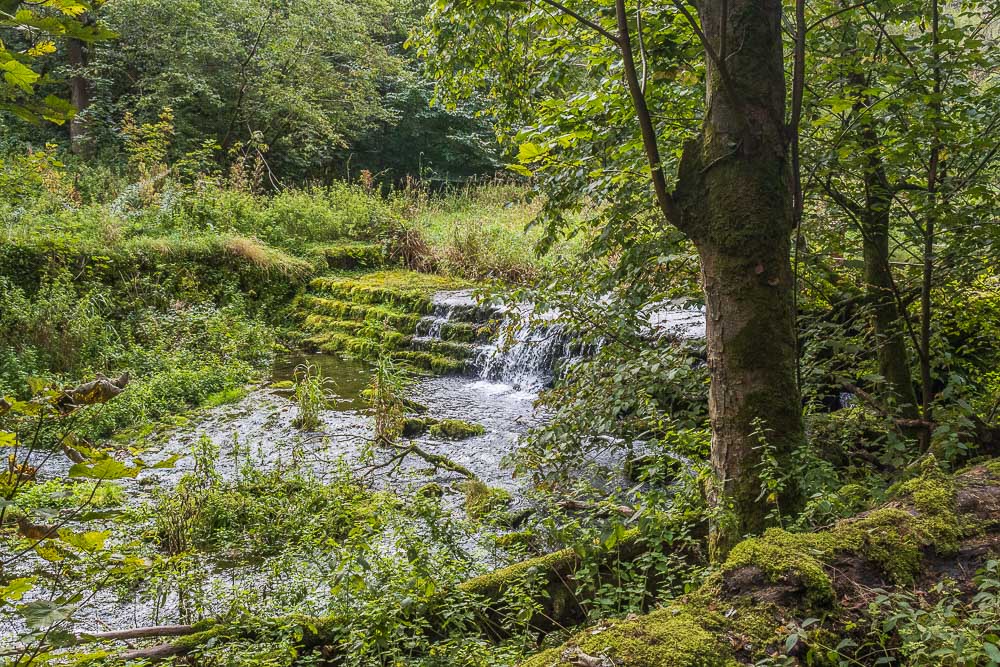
x=42, y=48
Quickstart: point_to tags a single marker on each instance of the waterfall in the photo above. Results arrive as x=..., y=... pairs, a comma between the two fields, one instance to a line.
x=527, y=349
x=525, y=353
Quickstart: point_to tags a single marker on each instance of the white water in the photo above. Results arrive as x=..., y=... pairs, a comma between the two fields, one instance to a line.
x=524, y=354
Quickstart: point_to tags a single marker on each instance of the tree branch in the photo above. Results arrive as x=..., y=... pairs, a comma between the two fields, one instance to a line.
x=581, y=19
x=649, y=142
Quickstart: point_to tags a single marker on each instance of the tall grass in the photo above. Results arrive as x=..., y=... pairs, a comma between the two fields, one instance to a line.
x=480, y=232
x=312, y=395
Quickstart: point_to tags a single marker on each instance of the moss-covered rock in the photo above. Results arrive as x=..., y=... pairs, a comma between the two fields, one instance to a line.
x=780, y=575
x=674, y=636
x=414, y=426
x=481, y=500
x=455, y=429
x=410, y=290
x=787, y=558
x=431, y=490
x=339, y=310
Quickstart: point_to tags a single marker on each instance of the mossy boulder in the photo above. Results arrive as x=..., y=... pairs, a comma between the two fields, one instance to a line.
x=674, y=636
x=431, y=490
x=455, y=429
x=482, y=500
x=414, y=426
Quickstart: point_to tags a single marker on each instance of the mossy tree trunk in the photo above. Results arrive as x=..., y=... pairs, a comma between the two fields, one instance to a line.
x=734, y=200
x=873, y=217
x=79, y=89
x=734, y=191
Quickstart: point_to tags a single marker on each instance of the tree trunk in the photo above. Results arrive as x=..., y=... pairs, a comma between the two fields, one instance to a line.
x=734, y=190
x=79, y=96
x=893, y=360
x=880, y=290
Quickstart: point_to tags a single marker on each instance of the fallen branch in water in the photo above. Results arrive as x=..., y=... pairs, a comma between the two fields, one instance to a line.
x=436, y=460
x=122, y=635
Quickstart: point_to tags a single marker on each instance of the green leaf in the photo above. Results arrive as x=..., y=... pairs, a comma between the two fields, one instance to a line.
x=43, y=614
x=89, y=541
x=104, y=470
x=19, y=75
x=16, y=589
x=529, y=152
x=992, y=650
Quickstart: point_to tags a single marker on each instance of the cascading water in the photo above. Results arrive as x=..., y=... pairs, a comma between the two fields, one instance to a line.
x=525, y=353
x=526, y=350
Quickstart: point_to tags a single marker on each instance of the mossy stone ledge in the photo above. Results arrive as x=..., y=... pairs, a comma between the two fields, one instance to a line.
x=338, y=312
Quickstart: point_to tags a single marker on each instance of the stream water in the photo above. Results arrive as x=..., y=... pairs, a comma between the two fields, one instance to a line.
x=498, y=393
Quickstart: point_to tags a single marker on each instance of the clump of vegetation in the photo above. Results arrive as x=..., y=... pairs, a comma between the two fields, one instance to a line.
x=482, y=500
x=386, y=397
x=312, y=396
x=260, y=512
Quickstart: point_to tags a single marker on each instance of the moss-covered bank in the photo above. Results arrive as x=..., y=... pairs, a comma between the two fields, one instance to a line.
x=934, y=524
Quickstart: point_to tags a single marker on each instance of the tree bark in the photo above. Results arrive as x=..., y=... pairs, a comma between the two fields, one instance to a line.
x=734, y=201
x=874, y=218
x=79, y=92
x=880, y=289
x=735, y=192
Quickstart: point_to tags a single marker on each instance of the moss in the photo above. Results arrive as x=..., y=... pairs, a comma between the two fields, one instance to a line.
x=431, y=490
x=283, y=384
x=414, y=426
x=455, y=429
x=481, y=500
x=459, y=332
x=431, y=362
x=445, y=348
x=401, y=320
x=787, y=557
x=407, y=289
x=493, y=583
x=519, y=539
x=674, y=636
x=895, y=538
